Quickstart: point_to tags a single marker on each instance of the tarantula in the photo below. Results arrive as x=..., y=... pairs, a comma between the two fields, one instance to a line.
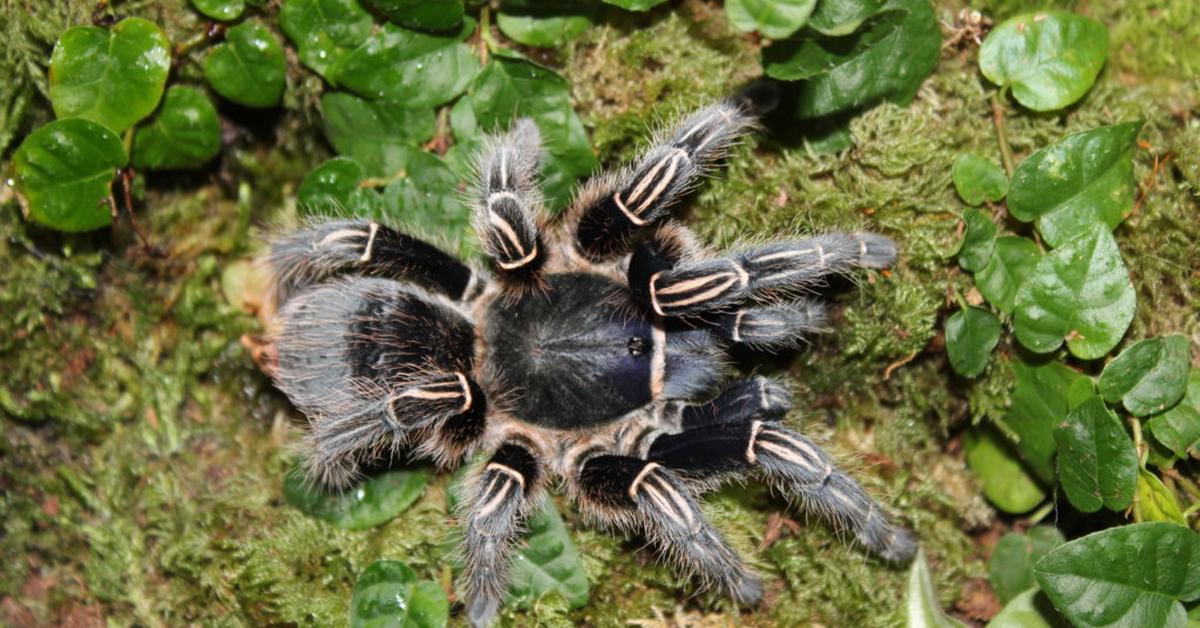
x=592, y=353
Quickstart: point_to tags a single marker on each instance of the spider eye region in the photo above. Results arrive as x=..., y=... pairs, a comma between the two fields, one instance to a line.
x=637, y=345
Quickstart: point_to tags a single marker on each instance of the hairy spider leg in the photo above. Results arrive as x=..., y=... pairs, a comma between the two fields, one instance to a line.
x=610, y=211
x=508, y=203
x=739, y=431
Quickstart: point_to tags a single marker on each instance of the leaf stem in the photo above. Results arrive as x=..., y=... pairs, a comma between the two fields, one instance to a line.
x=485, y=33
x=1139, y=445
x=1002, y=132
x=1041, y=513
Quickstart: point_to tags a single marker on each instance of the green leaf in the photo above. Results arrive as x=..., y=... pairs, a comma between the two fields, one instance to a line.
x=1010, y=568
x=1030, y=609
x=375, y=500
x=842, y=17
x=427, y=199
x=379, y=135
x=114, y=77
x=978, y=179
x=1041, y=399
x=546, y=25
x=547, y=562
x=1149, y=376
x=1079, y=291
x=325, y=31
x=64, y=171
x=248, y=68
x=979, y=241
x=886, y=60
x=1179, y=427
x=971, y=334
x=388, y=594
x=1133, y=575
x=1097, y=464
x=1155, y=502
x=511, y=87
x=1049, y=58
x=222, y=10
x=433, y=15
x=1085, y=179
x=1006, y=483
x=185, y=133
x=923, y=610
x=334, y=189
x=635, y=5
x=411, y=69
x=1010, y=265
x=772, y=18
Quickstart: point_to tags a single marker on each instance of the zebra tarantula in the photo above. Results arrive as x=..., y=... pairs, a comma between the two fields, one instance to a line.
x=592, y=353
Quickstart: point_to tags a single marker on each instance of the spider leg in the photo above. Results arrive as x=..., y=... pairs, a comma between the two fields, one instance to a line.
x=739, y=431
x=345, y=247
x=630, y=493
x=610, y=211
x=508, y=201
x=501, y=497
x=771, y=327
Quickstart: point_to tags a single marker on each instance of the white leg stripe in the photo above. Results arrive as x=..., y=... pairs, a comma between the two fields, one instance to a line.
x=633, y=486
x=494, y=502
x=519, y=263
x=507, y=470
x=654, y=293
x=781, y=255
x=466, y=391
x=751, y=457
x=628, y=214
x=737, y=326
x=658, y=357
x=664, y=182
x=340, y=234
x=692, y=284
x=507, y=231
x=366, y=256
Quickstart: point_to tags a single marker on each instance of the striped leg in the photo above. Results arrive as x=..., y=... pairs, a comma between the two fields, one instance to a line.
x=509, y=201
x=631, y=492
x=772, y=327
x=611, y=211
x=501, y=498
x=344, y=247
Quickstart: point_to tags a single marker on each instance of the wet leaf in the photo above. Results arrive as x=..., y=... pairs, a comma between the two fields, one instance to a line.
x=922, y=607
x=1133, y=575
x=185, y=133
x=409, y=68
x=978, y=179
x=432, y=15
x=547, y=562
x=248, y=68
x=635, y=5
x=1041, y=399
x=1030, y=609
x=1006, y=483
x=1097, y=464
x=1084, y=180
x=1049, y=58
x=325, y=31
x=334, y=189
x=887, y=59
x=1010, y=265
x=428, y=200
x=1079, y=291
x=64, y=173
x=1148, y=376
x=842, y=17
x=546, y=24
x=1010, y=568
x=388, y=594
x=111, y=76
x=222, y=10
x=1179, y=427
x=971, y=334
x=379, y=135
x=979, y=241
x=1155, y=502
x=375, y=500
x=772, y=18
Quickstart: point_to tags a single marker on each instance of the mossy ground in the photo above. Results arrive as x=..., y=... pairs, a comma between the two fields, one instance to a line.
x=142, y=453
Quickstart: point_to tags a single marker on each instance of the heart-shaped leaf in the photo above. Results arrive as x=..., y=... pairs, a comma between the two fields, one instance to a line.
x=1040, y=400
x=1155, y=502
x=1179, y=427
x=546, y=24
x=221, y=10
x=842, y=17
x=325, y=31
x=772, y=18
x=1010, y=568
x=248, y=68
x=432, y=15
x=389, y=594
x=378, y=134
x=1133, y=575
x=185, y=133
x=1011, y=264
x=374, y=500
x=64, y=173
x=427, y=198
x=979, y=241
x=114, y=77
x=922, y=607
x=1079, y=291
x=1049, y=58
x=1030, y=609
x=1006, y=483
x=1097, y=464
x=547, y=562
x=334, y=189
x=1149, y=376
x=1085, y=179
x=978, y=179
x=971, y=334
x=411, y=69
x=635, y=5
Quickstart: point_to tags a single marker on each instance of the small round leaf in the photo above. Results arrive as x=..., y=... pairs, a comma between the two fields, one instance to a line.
x=409, y=68
x=772, y=18
x=373, y=501
x=1043, y=395
x=1007, y=269
x=332, y=188
x=836, y=18
x=1179, y=427
x=324, y=31
x=1049, y=58
x=64, y=173
x=1155, y=502
x=1149, y=376
x=979, y=241
x=1006, y=483
x=221, y=10
x=185, y=133
x=1030, y=609
x=388, y=593
x=978, y=179
x=1097, y=464
x=546, y=26
x=1010, y=568
x=432, y=15
x=971, y=334
x=378, y=134
x=114, y=77
x=248, y=68
x=547, y=562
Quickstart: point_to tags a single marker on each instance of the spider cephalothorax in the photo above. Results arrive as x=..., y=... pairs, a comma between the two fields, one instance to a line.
x=592, y=353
